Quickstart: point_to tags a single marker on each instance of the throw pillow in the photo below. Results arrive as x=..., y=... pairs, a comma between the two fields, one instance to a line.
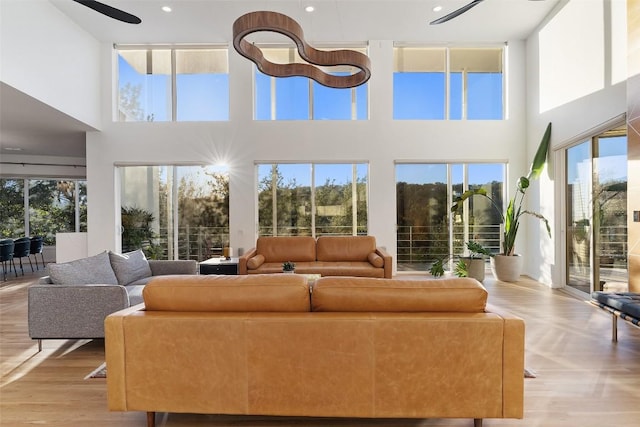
x=130, y=266
x=92, y=270
x=255, y=262
x=376, y=260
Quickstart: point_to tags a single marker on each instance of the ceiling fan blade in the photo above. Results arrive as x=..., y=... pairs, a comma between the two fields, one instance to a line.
x=456, y=12
x=109, y=11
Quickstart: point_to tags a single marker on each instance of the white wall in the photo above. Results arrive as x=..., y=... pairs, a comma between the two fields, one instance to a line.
x=53, y=60
x=241, y=141
x=47, y=56
x=379, y=141
x=575, y=100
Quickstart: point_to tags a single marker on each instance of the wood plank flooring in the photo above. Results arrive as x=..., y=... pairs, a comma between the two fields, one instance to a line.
x=584, y=380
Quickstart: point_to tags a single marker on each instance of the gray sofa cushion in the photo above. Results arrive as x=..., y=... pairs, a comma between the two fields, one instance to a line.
x=135, y=293
x=130, y=267
x=139, y=282
x=92, y=270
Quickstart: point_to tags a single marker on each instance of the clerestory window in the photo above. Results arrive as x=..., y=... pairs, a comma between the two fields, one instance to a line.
x=172, y=83
x=442, y=83
x=300, y=98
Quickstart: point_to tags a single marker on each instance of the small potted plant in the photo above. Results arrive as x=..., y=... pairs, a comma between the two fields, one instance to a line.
x=437, y=268
x=461, y=269
x=475, y=261
x=469, y=266
x=288, y=267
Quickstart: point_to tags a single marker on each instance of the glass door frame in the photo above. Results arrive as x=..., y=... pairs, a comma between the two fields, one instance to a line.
x=614, y=128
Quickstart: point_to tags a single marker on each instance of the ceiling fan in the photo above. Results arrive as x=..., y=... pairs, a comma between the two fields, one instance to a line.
x=458, y=12
x=109, y=11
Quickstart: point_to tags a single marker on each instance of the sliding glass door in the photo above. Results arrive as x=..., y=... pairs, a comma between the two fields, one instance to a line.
x=596, y=192
x=175, y=212
x=579, y=224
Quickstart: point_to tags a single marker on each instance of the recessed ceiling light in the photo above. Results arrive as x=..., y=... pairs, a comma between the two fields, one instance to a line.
x=309, y=8
x=437, y=8
x=166, y=8
x=12, y=148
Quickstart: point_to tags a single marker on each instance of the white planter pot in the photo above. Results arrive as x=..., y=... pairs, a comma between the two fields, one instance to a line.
x=475, y=268
x=507, y=268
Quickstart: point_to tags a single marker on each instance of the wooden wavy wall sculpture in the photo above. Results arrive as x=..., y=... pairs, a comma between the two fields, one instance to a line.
x=272, y=21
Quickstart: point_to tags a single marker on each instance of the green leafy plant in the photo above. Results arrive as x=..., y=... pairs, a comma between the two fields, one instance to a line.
x=437, y=268
x=460, y=269
x=137, y=232
x=476, y=250
x=511, y=218
x=288, y=266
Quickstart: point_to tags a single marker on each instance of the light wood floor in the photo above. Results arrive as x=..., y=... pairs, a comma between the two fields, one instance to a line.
x=584, y=380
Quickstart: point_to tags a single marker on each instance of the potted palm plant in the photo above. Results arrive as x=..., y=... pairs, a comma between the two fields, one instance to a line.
x=507, y=266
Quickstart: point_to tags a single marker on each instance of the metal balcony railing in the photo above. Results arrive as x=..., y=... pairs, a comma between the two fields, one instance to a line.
x=419, y=246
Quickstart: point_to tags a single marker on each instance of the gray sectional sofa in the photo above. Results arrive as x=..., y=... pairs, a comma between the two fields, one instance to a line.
x=74, y=299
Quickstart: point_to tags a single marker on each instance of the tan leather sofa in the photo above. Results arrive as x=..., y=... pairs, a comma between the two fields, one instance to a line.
x=326, y=255
x=353, y=347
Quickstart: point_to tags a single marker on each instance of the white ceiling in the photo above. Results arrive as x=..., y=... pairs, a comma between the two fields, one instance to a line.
x=210, y=21
x=50, y=132
x=34, y=128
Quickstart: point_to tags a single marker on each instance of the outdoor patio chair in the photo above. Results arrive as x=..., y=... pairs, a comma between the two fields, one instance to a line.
x=21, y=250
x=6, y=256
x=37, y=245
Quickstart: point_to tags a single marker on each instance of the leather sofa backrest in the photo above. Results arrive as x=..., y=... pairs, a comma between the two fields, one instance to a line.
x=287, y=248
x=207, y=293
x=345, y=248
x=358, y=294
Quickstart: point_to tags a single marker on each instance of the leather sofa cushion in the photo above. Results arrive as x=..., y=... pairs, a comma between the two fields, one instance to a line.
x=206, y=293
x=256, y=261
x=347, y=268
x=345, y=248
x=376, y=260
x=358, y=294
x=626, y=302
x=287, y=248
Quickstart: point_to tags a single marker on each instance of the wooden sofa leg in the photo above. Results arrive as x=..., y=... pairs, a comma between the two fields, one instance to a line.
x=151, y=419
x=614, y=328
x=477, y=422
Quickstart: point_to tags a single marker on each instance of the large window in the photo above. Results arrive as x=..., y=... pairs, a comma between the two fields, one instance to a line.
x=12, y=208
x=300, y=98
x=426, y=230
x=439, y=83
x=173, y=84
x=175, y=212
x=312, y=199
x=42, y=207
